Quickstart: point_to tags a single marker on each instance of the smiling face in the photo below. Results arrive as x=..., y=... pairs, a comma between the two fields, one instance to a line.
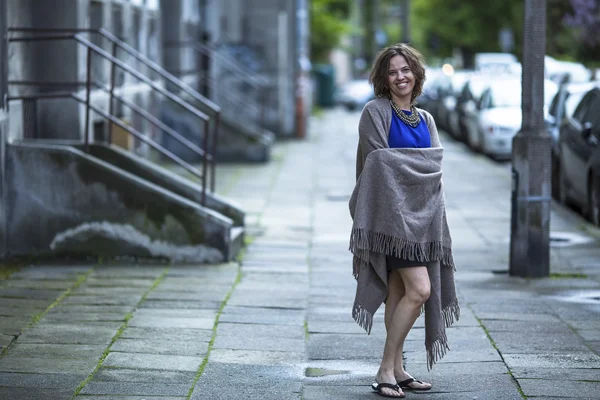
x=401, y=80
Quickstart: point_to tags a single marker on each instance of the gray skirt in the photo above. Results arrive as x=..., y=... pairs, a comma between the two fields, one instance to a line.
x=395, y=263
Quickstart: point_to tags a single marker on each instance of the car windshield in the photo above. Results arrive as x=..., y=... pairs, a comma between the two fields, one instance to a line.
x=506, y=94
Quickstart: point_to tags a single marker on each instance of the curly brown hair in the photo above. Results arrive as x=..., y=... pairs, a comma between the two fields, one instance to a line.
x=379, y=72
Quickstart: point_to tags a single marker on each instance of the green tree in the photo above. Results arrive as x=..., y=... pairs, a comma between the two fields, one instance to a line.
x=329, y=22
x=469, y=26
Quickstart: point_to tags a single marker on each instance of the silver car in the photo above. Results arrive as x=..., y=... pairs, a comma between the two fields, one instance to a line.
x=500, y=114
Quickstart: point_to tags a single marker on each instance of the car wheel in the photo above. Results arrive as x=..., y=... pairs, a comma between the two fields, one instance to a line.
x=593, y=205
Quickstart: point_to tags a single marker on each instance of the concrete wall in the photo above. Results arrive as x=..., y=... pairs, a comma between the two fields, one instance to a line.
x=86, y=190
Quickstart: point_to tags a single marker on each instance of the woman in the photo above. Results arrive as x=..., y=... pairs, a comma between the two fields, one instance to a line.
x=400, y=238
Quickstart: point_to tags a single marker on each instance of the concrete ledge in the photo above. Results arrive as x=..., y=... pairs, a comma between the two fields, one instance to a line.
x=55, y=188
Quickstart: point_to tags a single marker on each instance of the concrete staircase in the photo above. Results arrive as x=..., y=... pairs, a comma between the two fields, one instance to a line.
x=109, y=202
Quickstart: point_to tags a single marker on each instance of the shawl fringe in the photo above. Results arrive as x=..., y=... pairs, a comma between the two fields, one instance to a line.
x=362, y=317
x=362, y=242
x=438, y=349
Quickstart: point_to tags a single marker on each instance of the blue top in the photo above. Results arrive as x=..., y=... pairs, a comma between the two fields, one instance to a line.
x=402, y=135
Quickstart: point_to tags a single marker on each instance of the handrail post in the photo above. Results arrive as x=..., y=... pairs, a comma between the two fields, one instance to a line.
x=112, y=89
x=205, y=161
x=214, y=153
x=88, y=82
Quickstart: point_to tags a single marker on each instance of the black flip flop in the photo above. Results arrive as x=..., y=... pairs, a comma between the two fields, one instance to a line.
x=404, y=385
x=378, y=386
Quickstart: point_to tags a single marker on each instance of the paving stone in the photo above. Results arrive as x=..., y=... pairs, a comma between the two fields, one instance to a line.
x=42, y=365
x=63, y=317
x=570, y=374
x=559, y=388
x=138, y=375
x=117, y=282
x=256, y=357
x=516, y=342
x=136, y=388
x=24, y=306
x=590, y=335
x=569, y=360
x=349, y=327
x=258, y=381
x=264, y=317
x=51, y=351
x=5, y=340
x=74, y=299
x=190, y=296
x=94, y=397
x=260, y=330
x=152, y=361
x=239, y=342
x=181, y=305
x=90, y=333
x=172, y=347
x=34, y=394
x=170, y=313
x=37, y=284
x=486, y=316
x=12, y=326
x=345, y=347
x=41, y=381
x=165, y=334
x=362, y=392
x=526, y=327
x=147, y=321
x=24, y=293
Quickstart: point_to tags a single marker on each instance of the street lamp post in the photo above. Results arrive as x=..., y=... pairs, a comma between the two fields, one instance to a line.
x=531, y=163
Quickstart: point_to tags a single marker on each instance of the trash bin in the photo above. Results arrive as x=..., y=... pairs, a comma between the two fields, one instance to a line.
x=324, y=76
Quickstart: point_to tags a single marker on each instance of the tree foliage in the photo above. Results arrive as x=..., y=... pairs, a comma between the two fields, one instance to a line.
x=573, y=26
x=329, y=21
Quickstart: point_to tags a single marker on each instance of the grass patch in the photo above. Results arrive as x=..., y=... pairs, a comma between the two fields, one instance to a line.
x=568, y=275
x=214, y=334
x=317, y=111
x=120, y=331
x=306, y=333
x=6, y=270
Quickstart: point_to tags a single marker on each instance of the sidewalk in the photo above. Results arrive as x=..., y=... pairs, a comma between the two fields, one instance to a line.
x=278, y=326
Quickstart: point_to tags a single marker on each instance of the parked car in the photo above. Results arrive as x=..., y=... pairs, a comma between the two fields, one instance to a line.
x=579, y=156
x=563, y=104
x=467, y=111
x=499, y=117
x=355, y=94
x=448, y=117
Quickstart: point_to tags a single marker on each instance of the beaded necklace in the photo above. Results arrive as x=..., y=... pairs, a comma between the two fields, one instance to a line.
x=413, y=120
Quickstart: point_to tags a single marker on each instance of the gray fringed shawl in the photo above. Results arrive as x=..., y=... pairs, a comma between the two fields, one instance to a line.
x=397, y=208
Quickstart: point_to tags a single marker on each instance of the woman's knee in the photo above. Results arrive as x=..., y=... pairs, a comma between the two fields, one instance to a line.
x=420, y=293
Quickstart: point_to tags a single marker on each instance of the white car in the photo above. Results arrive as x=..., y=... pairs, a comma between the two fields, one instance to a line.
x=500, y=114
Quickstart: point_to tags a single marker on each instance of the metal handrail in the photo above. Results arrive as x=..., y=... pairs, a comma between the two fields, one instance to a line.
x=58, y=95
x=118, y=43
x=229, y=63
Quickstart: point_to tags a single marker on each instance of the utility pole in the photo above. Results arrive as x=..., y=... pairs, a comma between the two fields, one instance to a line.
x=531, y=192
x=405, y=10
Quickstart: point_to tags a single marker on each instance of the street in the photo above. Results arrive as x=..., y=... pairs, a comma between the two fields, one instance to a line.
x=278, y=324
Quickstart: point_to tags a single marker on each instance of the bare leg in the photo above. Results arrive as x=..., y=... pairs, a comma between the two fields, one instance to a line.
x=399, y=372
x=403, y=317
x=395, y=293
